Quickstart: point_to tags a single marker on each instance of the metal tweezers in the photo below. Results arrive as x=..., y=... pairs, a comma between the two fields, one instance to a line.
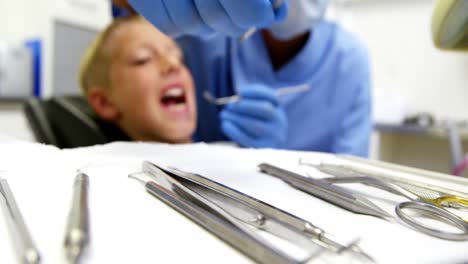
x=337, y=195
x=228, y=213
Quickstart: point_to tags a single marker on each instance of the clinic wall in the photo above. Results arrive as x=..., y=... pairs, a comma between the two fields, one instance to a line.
x=26, y=19
x=21, y=19
x=407, y=67
x=405, y=62
x=14, y=123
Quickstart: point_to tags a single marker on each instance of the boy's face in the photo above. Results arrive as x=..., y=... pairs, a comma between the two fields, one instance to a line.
x=151, y=89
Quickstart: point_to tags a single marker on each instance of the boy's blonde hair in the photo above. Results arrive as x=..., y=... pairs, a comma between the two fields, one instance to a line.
x=96, y=61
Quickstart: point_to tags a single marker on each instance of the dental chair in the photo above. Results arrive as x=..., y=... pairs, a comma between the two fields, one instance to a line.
x=69, y=122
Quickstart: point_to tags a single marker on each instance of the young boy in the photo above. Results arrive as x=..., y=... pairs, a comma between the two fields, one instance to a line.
x=133, y=76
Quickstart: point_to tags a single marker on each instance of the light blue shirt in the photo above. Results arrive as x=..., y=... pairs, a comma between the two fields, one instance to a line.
x=333, y=116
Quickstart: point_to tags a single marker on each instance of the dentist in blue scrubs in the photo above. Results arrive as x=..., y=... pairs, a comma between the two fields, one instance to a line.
x=294, y=46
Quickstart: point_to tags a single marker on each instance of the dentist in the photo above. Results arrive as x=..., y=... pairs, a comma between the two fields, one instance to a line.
x=295, y=46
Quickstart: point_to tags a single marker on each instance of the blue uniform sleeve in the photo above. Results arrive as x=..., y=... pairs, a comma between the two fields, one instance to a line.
x=205, y=17
x=209, y=64
x=353, y=135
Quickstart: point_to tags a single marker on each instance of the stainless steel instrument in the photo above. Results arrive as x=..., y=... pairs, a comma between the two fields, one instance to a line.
x=227, y=213
x=339, y=196
x=24, y=245
x=77, y=233
x=420, y=203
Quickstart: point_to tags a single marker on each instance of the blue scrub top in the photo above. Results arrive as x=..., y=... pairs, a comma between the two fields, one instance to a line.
x=333, y=116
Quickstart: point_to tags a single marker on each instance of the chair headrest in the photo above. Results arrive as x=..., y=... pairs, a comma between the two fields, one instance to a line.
x=69, y=122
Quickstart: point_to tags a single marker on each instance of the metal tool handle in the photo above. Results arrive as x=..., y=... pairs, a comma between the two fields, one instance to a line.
x=225, y=230
x=236, y=98
x=404, y=169
x=439, y=214
x=254, y=217
x=311, y=231
x=355, y=170
x=262, y=207
x=77, y=230
x=24, y=245
x=339, y=196
x=335, y=194
x=211, y=216
x=374, y=182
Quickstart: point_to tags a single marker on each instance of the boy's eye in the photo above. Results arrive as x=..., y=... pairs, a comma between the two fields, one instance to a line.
x=141, y=61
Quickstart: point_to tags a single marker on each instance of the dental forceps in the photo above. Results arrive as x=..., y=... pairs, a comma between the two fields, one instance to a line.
x=252, y=30
x=235, y=98
x=224, y=212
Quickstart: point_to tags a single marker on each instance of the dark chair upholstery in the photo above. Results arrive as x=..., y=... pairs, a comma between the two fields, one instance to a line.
x=69, y=122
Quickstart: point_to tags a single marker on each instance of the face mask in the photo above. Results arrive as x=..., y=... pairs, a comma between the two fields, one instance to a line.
x=302, y=17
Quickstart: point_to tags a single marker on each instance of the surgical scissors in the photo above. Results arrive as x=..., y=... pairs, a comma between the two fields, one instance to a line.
x=320, y=189
x=417, y=203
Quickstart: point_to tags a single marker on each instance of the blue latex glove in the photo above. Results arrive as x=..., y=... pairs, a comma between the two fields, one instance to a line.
x=257, y=120
x=204, y=17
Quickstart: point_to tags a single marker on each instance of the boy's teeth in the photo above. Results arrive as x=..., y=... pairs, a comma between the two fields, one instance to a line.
x=174, y=92
x=180, y=106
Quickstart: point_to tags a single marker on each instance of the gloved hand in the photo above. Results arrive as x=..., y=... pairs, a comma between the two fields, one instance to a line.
x=257, y=120
x=204, y=17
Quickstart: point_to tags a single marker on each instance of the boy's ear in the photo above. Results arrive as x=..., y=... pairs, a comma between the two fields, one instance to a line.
x=102, y=104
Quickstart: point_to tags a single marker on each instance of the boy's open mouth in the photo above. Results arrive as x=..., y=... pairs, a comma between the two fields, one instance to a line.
x=174, y=99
